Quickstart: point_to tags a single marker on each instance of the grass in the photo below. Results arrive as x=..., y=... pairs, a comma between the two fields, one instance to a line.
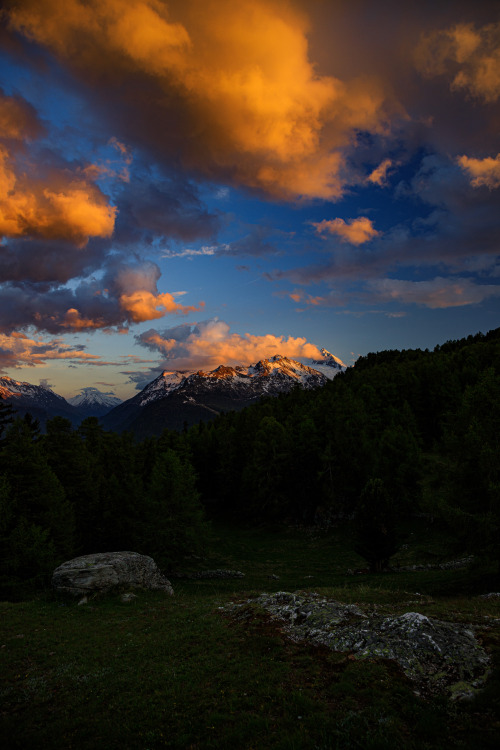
x=178, y=672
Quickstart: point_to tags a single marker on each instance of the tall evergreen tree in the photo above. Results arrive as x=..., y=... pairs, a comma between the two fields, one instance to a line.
x=374, y=524
x=171, y=524
x=39, y=526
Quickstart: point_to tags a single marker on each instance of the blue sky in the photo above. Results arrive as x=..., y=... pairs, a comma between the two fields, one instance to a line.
x=189, y=183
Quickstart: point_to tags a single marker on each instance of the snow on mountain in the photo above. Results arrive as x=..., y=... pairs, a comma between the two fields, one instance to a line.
x=275, y=374
x=93, y=402
x=164, y=384
x=174, y=399
x=41, y=402
x=330, y=365
x=15, y=390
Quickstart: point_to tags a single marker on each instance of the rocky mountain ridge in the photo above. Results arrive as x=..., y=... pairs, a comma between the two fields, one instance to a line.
x=38, y=400
x=174, y=398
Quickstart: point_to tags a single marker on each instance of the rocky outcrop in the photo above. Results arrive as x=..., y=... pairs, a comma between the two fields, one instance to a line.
x=439, y=657
x=108, y=571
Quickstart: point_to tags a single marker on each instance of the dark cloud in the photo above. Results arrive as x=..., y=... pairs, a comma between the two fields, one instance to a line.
x=123, y=294
x=18, y=119
x=51, y=262
x=160, y=208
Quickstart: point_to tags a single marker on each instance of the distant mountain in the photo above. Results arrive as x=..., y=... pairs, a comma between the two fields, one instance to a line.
x=42, y=403
x=92, y=402
x=176, y=398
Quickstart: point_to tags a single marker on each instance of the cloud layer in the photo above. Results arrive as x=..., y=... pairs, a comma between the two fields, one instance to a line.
x=210, y=343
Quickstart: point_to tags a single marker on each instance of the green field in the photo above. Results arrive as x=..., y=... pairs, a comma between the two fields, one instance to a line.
x=179, y=672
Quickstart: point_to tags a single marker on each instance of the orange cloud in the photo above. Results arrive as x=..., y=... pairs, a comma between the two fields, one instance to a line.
x=482, y=171
x=469, y=56
x=73, y=319
x=60, y=205
x=142, y=305
x=210, y=343
x=240, y=77
x=356, y=231
x=17, y=350
x=379, y=174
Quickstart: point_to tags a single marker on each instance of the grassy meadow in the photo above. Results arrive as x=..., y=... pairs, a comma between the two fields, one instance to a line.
x=180, y=672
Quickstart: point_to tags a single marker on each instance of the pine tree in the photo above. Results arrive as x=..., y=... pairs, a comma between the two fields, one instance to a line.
x=172, y=523
x=38, y=525
x=374, y=524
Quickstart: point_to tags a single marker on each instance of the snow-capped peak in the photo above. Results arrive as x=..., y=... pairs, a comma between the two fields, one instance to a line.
x=164, y=384
x=93, y=397
x=330, y=365
x=10, y=387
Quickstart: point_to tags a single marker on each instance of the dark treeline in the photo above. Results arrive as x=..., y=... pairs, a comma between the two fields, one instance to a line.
x=71, y=492
x=399, y=434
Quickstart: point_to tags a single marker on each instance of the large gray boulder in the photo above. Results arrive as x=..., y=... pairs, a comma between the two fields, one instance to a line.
x=103, y=572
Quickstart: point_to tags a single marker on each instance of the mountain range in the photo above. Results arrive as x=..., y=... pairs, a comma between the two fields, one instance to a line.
x=174, y=398
x=42, y=403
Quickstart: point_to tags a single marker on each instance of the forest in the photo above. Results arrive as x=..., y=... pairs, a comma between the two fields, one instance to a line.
x=400, y=435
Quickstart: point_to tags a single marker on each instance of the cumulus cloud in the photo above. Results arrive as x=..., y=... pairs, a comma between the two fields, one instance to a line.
x=355, y=231
x=57, y=226
x=482, y=171
x=56, y=206
x=235, y=92
x=142, y=305
x=468, y=56
x=126, y=293
x=211, y=343
x=45, y=201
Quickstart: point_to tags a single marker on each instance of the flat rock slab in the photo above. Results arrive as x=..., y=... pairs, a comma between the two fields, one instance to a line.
x=103, y=572
x=439, y=657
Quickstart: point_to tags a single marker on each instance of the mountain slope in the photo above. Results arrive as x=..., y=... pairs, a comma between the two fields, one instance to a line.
x=173, y=399
x=42, y=403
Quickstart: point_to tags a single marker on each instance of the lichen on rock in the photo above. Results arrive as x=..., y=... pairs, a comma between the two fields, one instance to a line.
x=438, y=656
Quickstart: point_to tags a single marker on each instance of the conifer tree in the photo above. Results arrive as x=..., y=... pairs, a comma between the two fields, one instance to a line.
x=38, y=527
x=374, y=524
x=172, y=523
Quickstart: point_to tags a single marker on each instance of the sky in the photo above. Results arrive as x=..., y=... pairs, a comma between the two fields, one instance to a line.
x=185, y=183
